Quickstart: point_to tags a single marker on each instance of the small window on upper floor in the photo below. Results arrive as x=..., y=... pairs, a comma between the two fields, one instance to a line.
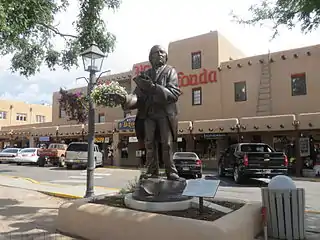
x=196, y=60
x=101, y=118
x=196, y=96
x=3, y=115
x=298, y=84
x=240, y=91
x=21, y=117
x=62, y=112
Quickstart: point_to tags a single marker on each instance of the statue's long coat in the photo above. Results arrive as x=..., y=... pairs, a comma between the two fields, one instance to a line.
x=166, y=96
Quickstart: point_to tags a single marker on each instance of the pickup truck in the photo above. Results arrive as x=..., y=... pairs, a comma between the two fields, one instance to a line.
x=252, y=160
x=54, y=154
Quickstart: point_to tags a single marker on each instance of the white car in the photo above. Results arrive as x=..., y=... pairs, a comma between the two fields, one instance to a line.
x=77, y=155
x=9, y=154
x=27, y=155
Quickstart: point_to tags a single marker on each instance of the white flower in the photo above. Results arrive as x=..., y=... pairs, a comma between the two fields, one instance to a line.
x=102, y=93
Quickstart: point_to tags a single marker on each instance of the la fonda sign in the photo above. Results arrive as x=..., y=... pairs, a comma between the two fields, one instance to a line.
x=203, y=77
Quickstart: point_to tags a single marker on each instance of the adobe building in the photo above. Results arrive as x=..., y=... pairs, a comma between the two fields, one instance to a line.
x=227, y=97
x=18, y=113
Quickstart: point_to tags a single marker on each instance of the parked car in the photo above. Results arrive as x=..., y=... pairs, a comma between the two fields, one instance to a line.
x=77, y=155
x=54, y=154
x=9, y=154
x=27, y=155
x=249, y=160
x=188, y=163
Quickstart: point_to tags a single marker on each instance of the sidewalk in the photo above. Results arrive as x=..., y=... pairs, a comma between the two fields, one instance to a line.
x=26, y=214
x=57, y=190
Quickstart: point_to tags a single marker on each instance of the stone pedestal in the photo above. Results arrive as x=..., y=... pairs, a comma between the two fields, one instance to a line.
x=160, y=190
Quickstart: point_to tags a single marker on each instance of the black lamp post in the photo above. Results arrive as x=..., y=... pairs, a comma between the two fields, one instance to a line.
x=92, y=61
x=82, y=132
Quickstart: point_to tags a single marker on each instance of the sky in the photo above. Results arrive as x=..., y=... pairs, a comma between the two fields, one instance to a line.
x=140, y=24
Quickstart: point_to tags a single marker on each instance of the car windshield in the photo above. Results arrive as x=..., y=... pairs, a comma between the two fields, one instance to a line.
x=255, y=148
x=185, y=155
x=78, y=147
x=10, y=150
x=28, y=150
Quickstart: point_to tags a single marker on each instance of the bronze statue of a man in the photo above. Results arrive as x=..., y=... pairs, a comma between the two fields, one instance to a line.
x=156, y=124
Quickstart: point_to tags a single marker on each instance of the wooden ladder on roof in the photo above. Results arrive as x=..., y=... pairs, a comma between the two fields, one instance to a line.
x=264, y=102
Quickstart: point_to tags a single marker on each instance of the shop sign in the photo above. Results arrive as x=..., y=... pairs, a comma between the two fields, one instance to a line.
x=204, y=77
x=44, y=139
x=179, y=139
x=133, y=139
x=304, y=147
x=214, y=135
x=127, y=124
x=99, y=140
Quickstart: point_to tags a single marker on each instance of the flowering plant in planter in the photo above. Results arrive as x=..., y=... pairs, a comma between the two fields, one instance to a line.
x=104, y=93
x=75, y=105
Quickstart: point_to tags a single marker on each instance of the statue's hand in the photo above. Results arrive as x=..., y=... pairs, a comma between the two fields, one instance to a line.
x=145, y=84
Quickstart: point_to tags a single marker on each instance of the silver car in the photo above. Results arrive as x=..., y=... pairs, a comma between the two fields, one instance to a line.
x=27, y=155
x=9, y=154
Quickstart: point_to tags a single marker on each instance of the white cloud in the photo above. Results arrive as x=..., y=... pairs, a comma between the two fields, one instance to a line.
x=140, y=24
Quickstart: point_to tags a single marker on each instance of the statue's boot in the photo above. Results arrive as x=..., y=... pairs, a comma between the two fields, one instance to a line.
x=173, y=176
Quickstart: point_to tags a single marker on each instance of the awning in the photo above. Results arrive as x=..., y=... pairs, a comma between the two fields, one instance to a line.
x=267, y=123
x=44, y=131
x=104, y=128
x=184, y=127
x=309, y=121
x=215, y=125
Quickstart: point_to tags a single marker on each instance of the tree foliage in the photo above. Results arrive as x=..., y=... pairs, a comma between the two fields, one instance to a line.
x=288, y=13
x=28, y=32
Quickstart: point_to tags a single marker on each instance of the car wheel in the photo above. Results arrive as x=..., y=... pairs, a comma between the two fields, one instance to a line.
x=200, y=175
x=221, y=172
x=41, y=162
x=62, y=162
x=237, y=175
x=18, y=163
x=69, y=166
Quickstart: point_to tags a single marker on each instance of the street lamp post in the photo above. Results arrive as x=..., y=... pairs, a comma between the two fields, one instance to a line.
x=82, y=132
x=92, y=61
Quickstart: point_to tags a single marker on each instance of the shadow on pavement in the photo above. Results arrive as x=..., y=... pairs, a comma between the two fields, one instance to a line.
x=6, y=170
x=23, y=219
x=228, y=182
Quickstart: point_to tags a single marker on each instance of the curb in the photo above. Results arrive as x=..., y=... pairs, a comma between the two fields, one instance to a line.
x=306, y=179
x=61, y=195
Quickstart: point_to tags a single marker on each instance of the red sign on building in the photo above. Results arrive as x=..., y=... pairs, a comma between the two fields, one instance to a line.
x=204, y=77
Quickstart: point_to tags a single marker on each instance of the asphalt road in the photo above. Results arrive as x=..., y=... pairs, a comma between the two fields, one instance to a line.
x=120, y=178
x=104, y=177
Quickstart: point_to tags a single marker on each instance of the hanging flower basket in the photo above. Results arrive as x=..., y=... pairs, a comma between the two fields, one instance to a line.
x=75, y=105
x=104, y=93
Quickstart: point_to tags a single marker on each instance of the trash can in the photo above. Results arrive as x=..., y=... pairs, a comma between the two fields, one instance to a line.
x=285, y=209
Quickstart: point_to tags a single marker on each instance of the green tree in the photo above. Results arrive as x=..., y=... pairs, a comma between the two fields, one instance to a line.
x=288, y=13
x=27, y=31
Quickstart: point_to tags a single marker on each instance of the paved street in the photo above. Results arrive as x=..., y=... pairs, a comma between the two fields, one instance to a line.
x=111, y=179
x=104, y=177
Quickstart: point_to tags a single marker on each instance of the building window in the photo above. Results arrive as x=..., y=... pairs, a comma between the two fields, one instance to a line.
x=40, y=119
x=196, y=96
x=62, y=112
x=298, y=84
x=240, y=92
x=21, y=117
x=101, y=118
x=196, y=60
x=3, y=115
